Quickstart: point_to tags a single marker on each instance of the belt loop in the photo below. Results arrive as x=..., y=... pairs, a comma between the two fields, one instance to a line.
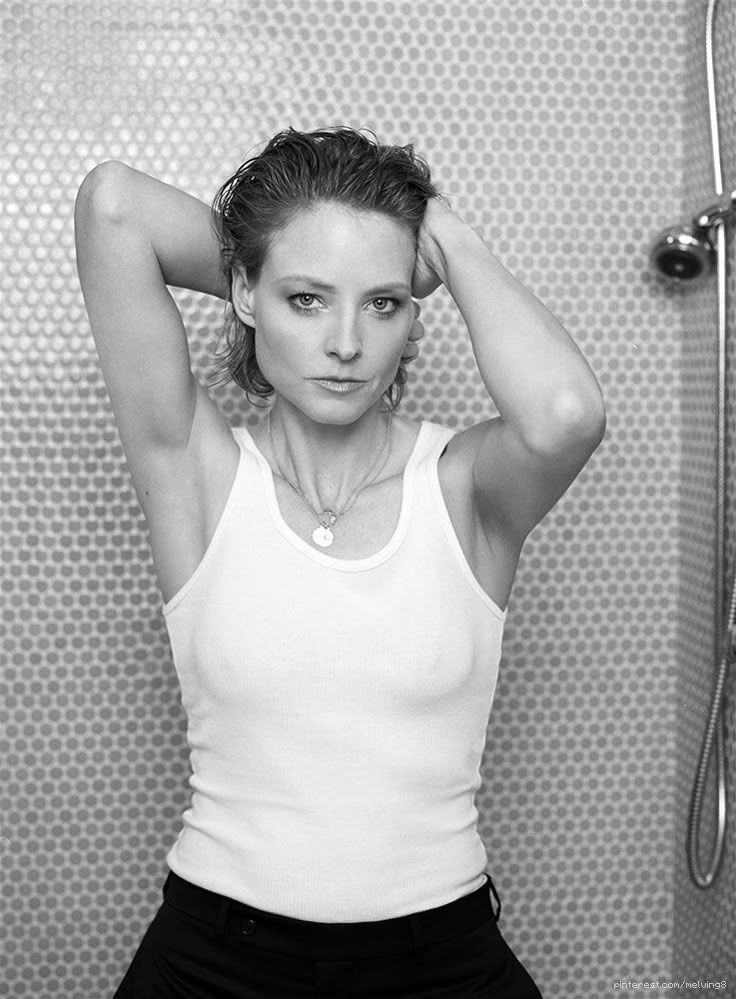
x=218, y=929
x=415, y=923
x=497, y=913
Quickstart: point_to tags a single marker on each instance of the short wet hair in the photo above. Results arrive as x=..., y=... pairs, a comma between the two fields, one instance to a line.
x=294, y=171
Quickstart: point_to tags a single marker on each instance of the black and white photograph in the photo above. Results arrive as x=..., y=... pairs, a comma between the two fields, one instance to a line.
x=368, y=499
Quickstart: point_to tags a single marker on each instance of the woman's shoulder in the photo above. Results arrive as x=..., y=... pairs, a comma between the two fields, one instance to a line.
x=418, y=441
x=435, y=435
x=419, y=434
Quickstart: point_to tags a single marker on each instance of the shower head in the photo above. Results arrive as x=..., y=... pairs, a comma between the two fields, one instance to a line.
x=684, y=254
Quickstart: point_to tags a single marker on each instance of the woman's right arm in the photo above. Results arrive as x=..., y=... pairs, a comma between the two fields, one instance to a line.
x=134, y=236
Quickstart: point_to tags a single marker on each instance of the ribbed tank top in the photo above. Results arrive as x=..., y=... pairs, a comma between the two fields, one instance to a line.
x=337, y=708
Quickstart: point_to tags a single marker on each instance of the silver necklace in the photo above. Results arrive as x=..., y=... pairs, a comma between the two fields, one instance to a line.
x=323, y=535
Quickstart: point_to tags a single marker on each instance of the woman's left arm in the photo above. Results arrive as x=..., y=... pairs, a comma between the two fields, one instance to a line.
x=552, y=415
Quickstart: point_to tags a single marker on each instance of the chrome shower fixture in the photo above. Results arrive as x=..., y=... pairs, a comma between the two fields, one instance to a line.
x=684, y=254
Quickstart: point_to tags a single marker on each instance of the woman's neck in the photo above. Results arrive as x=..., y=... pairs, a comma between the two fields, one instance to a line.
x=328, y=461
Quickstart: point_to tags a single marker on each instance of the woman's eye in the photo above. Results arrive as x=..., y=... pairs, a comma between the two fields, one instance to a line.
x=303, y=301
x=385, y=306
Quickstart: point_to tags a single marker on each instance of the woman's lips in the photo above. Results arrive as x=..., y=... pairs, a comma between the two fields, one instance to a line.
x=339, y=384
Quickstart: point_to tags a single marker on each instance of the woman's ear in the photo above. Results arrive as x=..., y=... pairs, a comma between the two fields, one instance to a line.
x=242, y=295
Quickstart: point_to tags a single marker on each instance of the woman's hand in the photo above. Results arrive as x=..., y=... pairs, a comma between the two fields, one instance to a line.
x=429, y=269
x=440, y=229
x=411, y=350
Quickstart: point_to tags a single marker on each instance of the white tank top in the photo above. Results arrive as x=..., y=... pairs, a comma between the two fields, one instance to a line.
x=337, y=709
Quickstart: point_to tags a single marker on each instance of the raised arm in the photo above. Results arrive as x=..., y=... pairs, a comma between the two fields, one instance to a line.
x=134, y=236
x=552, y=415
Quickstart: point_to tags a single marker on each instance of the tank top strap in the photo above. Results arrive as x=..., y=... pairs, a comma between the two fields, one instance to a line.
x=435, y=440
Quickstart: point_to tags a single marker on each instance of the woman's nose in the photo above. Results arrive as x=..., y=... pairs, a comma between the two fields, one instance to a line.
x=344, y=340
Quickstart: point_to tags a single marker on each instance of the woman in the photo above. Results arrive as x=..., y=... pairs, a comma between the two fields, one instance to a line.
x=334, y=580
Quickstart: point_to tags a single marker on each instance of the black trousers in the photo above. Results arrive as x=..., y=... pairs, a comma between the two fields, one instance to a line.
x=201, y=945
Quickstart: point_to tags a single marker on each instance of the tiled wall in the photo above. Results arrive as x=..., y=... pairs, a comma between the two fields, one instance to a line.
x=705, y=921
x=556, y=128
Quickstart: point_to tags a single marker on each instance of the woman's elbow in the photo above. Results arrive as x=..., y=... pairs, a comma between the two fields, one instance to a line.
x=572, y=417
x=583, y=415
x=103, y=190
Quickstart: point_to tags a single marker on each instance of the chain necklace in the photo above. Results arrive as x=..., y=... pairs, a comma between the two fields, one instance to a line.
x=323, y=535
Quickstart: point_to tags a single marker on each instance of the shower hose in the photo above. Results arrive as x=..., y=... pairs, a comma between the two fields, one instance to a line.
x=713, y=730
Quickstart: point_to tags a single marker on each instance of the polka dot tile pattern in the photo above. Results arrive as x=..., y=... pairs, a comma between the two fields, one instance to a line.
x=705, y=921
x=556, y=128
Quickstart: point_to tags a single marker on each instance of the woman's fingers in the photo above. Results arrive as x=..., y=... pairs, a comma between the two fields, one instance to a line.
x=411, y=350
x=417, y=329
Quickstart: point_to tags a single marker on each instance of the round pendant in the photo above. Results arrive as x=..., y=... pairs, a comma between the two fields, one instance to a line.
x=323, y=536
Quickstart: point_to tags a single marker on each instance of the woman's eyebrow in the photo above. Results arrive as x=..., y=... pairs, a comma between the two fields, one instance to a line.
x=390, y=286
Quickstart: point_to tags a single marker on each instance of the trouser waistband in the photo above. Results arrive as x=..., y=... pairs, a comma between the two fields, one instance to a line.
x=331, y=941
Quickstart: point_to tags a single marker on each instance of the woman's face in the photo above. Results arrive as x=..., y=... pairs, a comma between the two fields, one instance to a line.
x=332, y=310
